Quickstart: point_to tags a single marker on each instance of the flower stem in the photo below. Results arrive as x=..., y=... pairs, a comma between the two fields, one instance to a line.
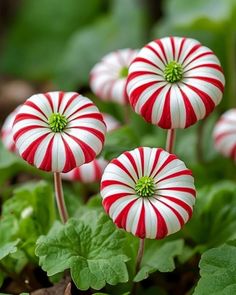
x=138, y=263
x=60, y=197
x=170, y=140
x=139, y=255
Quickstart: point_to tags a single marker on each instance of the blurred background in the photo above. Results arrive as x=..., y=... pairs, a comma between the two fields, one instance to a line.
x=49, y=44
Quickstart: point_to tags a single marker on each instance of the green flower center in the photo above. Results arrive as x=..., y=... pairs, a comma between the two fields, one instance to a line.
x=57, y=122
x=145, y=187
x=123, y=72
x=173, y=72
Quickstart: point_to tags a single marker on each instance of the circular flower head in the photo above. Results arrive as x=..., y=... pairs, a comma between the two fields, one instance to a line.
x=225, y=134
x=6, y=132
x=87, y=173
x=174, y=82
x=58, y=131
x=148, y=192
x=108, y=78
x=110, y=122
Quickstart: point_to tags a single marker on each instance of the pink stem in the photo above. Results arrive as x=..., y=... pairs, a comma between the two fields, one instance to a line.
x=170, y=140
x=60, y=197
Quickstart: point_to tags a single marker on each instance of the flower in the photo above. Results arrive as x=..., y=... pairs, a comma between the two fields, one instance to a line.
x=87, y=173
x=225, y=134
x=110, y=122
x=174, y=82
x=148, y=192
x=92, y=171
x=6, y=131
x=58, y=131
x=108, y=77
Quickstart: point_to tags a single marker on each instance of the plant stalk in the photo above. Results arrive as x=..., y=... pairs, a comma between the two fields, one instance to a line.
x=139, y=255
x=170, y=140
x=60, y=197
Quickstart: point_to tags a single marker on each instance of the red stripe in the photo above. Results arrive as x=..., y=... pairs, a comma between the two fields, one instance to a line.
x=141, y=228
x=182, y=204
x=97, y=170
x=30, y=151
x=89, y=153
x=206, y=99
x=161, y=224
x=181, y=48
x=24, y=116
x=147, y=108
x=108, y=201
x=95, y=132
x=213, y=81
x=157, y=53
x=96, y=116
x=176, y=213
x=34, y=106
x=77, y=174
x=46, y=164
x=223, y=134
x=70, y=161
x=147, y=61
x=121, y=219
x=60, y=98
x=141, y=153
x=159, y=42
x=172, y=46
x=80, y=109
x=199, y=56
x=132, y=161
x=106, y=183
x=192, y=50
x=170, y=158
x=47, y=95
x=157, y=156
x=121, y=166
x=165, y=120
x=23, y=130
x=191, y=117
x=141, y=73
x=136, y=93
x=212, y=66
x=182, y=189
x=176, y=174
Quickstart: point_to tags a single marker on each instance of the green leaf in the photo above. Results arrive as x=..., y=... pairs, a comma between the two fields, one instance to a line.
x=123, y=27
x=214, y=214
x=218, y=271
x=93, y=253
x=119, y=141
x=40, y=32
x=27, y=215
x=159, y=257
x=8, y=248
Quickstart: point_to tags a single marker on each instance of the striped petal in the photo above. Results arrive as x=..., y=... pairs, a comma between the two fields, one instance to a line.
x=78, y=143
x=155, y=216
x=225, y=134
x=87, y=173
x=106, y=79
x=178, y=104
x=6, y=131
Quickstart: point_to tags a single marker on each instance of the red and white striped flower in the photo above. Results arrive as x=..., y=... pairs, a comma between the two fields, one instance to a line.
x=174, y=82
x=225, y=134
x=148, y=192
x=6, y=131
x=58, y=131
x=108, y=77
x=110, y=122
x=92, y=171
x=87, y=173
